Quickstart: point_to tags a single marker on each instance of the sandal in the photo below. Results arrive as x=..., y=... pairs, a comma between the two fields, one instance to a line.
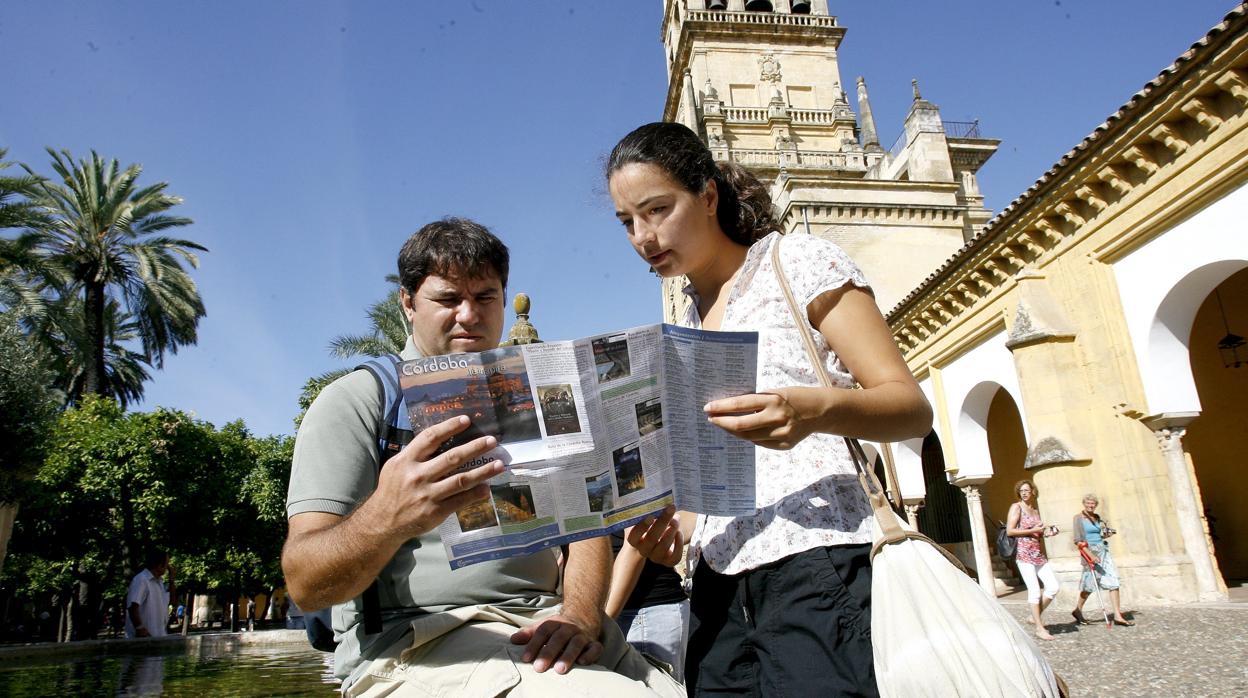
x=1127, y=623
x=1079, y=617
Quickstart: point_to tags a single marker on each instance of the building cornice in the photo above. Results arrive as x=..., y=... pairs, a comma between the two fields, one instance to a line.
x=1159, y=131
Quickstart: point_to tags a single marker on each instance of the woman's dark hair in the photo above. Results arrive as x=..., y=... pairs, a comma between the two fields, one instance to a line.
x=744, y=212
x=452, y=247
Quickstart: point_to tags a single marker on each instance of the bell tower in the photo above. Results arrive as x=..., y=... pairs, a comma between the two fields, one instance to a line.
x=761, y=82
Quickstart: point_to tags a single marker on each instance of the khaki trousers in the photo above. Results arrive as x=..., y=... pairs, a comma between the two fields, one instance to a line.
x=468, y=652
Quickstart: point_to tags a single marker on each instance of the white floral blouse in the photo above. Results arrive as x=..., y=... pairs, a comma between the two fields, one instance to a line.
x=809, y=496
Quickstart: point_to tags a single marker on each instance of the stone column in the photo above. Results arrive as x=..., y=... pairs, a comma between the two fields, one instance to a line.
x=912, y=513
x=1169, y=430
x=979, y=538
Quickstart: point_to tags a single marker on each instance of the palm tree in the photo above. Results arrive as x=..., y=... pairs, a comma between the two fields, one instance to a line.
x=22, y=269
x=389, y=326
x=127, y=278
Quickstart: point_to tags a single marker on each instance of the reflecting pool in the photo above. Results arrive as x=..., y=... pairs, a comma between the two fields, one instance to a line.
x=210, y=669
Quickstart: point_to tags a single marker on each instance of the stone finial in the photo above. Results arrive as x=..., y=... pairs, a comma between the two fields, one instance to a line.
x=914, y=84
x=710, y=91
x=523, y=331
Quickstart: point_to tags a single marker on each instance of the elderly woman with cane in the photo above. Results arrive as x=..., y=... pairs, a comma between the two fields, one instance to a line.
x=1099, y=571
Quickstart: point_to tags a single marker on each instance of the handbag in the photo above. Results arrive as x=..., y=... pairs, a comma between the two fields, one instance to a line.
x=1007, y=545
x=934, y=631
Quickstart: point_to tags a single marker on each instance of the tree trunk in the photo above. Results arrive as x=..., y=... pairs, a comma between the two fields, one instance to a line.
x=8, y=514
x=94, y=374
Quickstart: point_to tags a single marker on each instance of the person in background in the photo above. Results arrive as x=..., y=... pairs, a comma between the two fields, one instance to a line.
x=1025, y=524
x=780, y=602
x=648, y=602
x=1091, y=531
x=147, y=601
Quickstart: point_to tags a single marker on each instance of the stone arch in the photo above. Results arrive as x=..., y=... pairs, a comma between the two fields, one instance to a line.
x=1165, y=366
x=1161, y=285
x=972, y=433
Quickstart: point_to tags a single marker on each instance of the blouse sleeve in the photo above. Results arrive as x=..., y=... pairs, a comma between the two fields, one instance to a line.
x=1077, y=527
x=815, y=266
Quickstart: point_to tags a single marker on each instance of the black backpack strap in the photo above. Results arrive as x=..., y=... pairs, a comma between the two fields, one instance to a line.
x=395, y=433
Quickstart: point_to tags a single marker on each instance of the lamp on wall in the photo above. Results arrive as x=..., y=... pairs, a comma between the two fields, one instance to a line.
x=1230, y=347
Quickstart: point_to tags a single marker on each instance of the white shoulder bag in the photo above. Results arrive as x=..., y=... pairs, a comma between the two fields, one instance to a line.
x=934, y=631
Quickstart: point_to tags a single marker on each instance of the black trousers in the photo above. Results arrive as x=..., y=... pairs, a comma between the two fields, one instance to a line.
x=800, y=626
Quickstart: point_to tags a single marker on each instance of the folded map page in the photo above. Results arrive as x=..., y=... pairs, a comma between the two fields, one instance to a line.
x=597, y=433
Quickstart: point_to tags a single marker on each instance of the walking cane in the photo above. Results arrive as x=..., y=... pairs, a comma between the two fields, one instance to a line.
x=1096, y=581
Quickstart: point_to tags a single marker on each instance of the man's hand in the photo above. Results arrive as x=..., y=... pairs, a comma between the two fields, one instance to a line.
x=561, y=641
x=416, y=492
x=329, y=559
x=659, y=539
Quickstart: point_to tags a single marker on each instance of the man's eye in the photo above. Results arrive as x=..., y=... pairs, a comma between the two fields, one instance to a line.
x=657, y=209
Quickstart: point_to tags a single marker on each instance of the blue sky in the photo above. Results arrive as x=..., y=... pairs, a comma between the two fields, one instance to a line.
x=309, y=139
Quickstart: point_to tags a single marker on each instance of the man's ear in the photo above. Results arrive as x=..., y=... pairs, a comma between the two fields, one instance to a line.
x=406, y=299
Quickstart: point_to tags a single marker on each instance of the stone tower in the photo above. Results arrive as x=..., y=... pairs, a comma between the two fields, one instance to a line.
x=761, y=83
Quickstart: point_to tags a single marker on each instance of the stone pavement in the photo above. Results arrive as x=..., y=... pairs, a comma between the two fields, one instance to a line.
x=1197, y=650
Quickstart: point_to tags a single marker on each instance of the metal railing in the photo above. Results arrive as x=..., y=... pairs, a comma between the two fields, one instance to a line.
x=962, y=129
x=779, y=18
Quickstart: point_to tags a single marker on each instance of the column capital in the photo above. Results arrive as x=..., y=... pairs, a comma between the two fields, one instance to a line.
x=971, y=492
x=1169, y=427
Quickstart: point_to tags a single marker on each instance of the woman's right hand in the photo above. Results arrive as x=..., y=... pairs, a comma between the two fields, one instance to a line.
x=659, y=539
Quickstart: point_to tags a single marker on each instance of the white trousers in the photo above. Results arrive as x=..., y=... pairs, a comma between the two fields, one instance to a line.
x=1034, y=576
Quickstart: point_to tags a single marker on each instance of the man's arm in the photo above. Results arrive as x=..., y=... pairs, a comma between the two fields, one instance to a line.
x=571, y=636
x=137, y=620
x=329, y=559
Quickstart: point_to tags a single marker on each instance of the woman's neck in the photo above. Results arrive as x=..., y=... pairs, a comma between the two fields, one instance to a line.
x=712, y=278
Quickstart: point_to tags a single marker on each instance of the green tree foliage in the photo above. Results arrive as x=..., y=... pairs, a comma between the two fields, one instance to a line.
x=115, y=483
x=28, y=407
x=107, y=237
x=22, y=269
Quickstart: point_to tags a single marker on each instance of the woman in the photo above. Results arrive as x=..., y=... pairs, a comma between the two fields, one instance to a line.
x=1090, y=533
x=1024, y=523
x=648, y=602
x=780, y=599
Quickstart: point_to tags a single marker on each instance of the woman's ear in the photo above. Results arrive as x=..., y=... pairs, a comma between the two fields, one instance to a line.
x=711, y=197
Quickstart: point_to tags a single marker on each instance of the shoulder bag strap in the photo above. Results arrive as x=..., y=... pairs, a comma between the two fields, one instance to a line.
x=890, y=528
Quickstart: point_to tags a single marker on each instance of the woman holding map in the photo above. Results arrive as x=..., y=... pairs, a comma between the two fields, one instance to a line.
x=780, y=600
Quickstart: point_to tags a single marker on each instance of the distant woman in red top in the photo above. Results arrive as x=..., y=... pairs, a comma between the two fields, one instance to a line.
x=1025, y=524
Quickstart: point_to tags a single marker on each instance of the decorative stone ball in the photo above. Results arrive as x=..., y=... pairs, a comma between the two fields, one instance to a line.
x=521, y=304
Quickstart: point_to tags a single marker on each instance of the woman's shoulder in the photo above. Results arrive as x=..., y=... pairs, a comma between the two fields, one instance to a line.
x=814, y=264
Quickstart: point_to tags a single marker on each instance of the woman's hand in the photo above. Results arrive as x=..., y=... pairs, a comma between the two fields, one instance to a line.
x=659, y=539
x=777, y=419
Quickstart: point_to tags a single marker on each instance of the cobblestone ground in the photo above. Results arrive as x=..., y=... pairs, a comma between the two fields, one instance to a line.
x=1171, y=651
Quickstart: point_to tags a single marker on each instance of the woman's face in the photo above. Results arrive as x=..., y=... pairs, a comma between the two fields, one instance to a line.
x=1024, y=493
x=674, y=230
x=1089, y=505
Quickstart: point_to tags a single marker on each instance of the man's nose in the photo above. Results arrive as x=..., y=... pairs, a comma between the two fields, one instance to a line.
x=468, y=313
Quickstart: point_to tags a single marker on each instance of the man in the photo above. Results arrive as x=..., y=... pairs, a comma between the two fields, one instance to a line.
x=147, y=601
x=492, y=628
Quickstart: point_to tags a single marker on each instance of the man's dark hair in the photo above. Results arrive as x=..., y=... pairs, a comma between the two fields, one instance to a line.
x=452, y=247
x=154, y=557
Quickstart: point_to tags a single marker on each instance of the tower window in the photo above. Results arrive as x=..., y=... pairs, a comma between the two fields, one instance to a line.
x=758, y=6
x=801, y=7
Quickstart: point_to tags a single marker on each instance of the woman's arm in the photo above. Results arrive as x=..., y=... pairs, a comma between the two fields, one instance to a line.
x=1076, y=527
x=889, y=407
x=625, y=572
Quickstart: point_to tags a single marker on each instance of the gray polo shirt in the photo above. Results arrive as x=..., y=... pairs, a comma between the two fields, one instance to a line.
x=335, y=468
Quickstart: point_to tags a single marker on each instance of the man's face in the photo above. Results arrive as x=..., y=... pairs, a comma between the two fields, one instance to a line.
x=455, y=314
